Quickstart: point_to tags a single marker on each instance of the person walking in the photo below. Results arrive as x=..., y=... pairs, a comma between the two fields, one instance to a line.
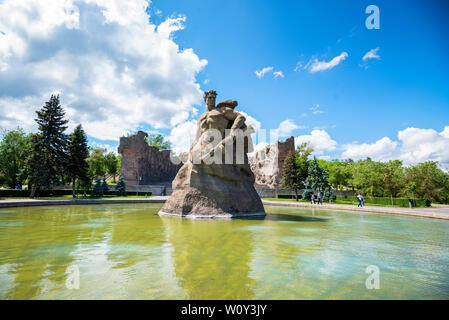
x=320, y=198
x=359, y=197
x=312, y=197
x=363, y=201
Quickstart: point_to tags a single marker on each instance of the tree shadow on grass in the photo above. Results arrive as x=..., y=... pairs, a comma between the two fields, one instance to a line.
x=285, y=217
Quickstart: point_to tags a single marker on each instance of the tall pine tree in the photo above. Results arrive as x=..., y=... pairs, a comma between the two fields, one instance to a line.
x=78, y=167
x=35, y=171
x=290, y=174
x=53, y=144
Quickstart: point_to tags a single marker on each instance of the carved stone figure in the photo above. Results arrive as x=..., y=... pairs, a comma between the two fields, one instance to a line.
x=217, y=180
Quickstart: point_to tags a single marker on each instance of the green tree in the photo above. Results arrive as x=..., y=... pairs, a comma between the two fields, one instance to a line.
x=393, y=174
x=317, y=179
x=409, y=191
x=303, y=151
x=367, y=177
x=339, y=172
x=105, y=186
x=54, y=142
x=112, y=164
x=37, y=173
x=120, y=188
x=98, y=189
x=14, y=150
x=77, y=167
x=431, y=182
x=290, y=175
x=97, y=163
x=158, y=141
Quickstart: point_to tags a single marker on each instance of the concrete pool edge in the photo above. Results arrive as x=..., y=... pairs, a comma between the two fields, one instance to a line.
x=435, y=214
x=53, y=202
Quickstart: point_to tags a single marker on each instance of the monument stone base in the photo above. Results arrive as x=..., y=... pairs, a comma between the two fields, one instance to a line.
x=213, y=191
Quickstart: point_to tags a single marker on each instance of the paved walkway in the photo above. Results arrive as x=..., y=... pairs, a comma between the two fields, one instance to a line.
x=436, y=212
x=59, y=202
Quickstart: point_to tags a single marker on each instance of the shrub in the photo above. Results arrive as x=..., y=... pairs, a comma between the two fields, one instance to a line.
x=58, y=192
x=329, y=195
x=307, y=194
x=287, y=196
x=120, y=188
x=139, y=193
x=41, y=193
x=105, y=187
x=98, y=189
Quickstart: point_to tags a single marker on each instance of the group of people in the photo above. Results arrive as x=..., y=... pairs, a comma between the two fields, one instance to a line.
x=319, y=198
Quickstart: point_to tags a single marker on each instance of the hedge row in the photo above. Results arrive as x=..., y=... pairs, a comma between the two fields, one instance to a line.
x=40, y=193
x=128, y=192
x=58, y=192
x=398, y=202
x=288, y=196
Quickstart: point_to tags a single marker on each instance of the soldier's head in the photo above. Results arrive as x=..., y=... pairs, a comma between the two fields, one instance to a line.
x=209, y=99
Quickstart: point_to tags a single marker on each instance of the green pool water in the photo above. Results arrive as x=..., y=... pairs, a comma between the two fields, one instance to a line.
x=129, y=252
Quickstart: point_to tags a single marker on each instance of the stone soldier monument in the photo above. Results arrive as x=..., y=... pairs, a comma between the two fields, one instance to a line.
x=216, y=181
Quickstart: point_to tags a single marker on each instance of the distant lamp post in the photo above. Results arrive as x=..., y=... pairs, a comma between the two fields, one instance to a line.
x=138, y=183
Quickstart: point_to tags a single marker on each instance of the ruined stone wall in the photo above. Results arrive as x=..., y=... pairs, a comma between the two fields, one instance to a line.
x=141, y=160
x=267, y=164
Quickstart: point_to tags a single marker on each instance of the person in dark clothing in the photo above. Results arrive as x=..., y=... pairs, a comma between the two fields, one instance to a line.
x=360, y=198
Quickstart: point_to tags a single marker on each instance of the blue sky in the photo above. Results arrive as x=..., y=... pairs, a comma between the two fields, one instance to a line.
x=407, y=87
x=380, y=107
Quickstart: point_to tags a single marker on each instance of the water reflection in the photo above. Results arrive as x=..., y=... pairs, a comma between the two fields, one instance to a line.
x=211, y=258
x=128, y=252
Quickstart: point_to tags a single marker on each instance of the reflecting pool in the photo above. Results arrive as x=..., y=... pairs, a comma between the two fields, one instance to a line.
x=126, y=251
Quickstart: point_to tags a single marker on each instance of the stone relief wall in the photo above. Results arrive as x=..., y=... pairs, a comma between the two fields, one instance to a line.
x=149, y=163
x=267, y=164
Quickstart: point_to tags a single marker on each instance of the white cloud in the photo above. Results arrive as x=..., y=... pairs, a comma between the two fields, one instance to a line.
x=251, y=121
x=298, y=66
x=314, y=65
x=108, y=147
x=285, y=128
x=114, y=69
x=316, y=109
x=415, y=145
x=382, y=150
x=420, y=145
x=278, y=74
x=319, y=140
x=182, y=136
x=261, y=73
x=372, y=54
